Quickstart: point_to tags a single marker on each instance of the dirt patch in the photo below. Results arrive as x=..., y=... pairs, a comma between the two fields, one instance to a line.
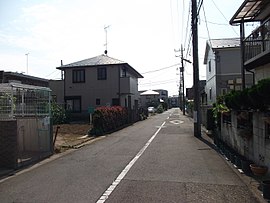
x=70, y=136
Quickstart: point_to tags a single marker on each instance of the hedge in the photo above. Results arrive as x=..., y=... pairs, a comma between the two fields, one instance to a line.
x=108, y=119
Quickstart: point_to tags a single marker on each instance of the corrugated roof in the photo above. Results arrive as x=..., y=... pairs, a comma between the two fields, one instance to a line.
x=251, y=10
x=95, y=61
x=224, y=43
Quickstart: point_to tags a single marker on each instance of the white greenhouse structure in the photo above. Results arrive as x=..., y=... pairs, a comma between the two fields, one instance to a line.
x=25, y=124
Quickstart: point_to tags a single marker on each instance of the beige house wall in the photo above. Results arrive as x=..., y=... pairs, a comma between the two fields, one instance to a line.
x=105, y=90
x=93, y=88
x=262, y=72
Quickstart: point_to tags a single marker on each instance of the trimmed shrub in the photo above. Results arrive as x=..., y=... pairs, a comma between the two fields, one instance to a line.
x=107, y=119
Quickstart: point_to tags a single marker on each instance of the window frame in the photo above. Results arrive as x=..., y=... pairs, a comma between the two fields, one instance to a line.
x=102, y=73
x=78, y=76
x=74, y=98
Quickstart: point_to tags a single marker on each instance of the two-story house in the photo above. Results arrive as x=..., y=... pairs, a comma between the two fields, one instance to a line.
x=99, y=81
x=223, y=68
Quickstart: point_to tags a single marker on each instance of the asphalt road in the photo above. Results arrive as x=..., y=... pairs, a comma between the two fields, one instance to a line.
x=156, y=160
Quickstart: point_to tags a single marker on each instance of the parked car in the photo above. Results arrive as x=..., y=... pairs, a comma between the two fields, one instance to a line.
x=151, y=109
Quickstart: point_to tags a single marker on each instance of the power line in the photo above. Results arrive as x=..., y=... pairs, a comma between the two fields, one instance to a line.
x=209, y=39
x=189, y=13
x=183, y=15
x=153, y=71
x=51, y=73
x=214, y=23
x=224, y=17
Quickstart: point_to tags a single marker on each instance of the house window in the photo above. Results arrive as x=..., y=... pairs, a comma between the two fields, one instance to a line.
x=73, y=104
x=102, y=73
x=97, y=101
x=115, y=102
x=124, y=72
x=209, y=66
x=78, y=76
x=210, y=94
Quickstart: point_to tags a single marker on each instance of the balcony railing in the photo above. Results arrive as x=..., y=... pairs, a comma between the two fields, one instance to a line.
x=258, y=42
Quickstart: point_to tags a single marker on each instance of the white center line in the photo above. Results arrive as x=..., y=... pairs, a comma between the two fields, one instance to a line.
x=126, y=169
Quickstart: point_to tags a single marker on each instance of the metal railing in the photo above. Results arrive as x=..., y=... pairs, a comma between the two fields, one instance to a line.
x=258, y=41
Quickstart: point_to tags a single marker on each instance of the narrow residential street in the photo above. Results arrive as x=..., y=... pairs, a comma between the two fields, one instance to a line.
x=156, y=160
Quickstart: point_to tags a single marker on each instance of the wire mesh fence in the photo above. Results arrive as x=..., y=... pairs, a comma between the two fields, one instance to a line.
x=19, y=100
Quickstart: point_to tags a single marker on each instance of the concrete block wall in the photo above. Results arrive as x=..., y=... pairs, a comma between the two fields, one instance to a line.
x=8, y=144
x=256, y=148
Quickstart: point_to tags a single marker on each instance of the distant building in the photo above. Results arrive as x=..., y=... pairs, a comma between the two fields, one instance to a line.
x=190, y=91
x=154, y=99
x=173, y=101
x=8, y=77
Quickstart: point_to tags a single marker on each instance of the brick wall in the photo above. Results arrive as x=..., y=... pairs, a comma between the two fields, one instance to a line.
x=8, y=144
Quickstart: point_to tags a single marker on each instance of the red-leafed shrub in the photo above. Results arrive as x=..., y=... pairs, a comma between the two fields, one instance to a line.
x=106, y=119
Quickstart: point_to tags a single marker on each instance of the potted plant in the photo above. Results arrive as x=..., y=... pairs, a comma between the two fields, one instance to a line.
x=258, y=170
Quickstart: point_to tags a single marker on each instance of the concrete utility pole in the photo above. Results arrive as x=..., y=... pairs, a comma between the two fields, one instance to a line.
x=182, y=81
x=182, y=69
x=196, y=111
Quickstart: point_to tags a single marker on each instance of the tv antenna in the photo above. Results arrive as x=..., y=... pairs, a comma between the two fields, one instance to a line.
x=106, y=39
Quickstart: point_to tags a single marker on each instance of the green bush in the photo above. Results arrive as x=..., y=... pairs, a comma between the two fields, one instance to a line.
x=160, y=109
x=256, y=97
x=59, y=114
x=107, y=119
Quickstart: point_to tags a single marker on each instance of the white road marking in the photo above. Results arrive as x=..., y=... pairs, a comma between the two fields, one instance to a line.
x=107, y=193
x=176, y=122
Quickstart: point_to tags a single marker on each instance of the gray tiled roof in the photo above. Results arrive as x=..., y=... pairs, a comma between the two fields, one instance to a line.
x=224, y=43
x=99, y=61
x=95, y=61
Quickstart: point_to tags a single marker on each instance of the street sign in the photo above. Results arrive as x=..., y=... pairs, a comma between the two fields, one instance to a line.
x=91, y=109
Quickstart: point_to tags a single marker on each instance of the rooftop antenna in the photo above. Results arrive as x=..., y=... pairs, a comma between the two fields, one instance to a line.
x=106, y=39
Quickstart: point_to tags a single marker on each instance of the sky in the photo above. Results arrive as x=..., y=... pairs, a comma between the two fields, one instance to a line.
x=35, y=35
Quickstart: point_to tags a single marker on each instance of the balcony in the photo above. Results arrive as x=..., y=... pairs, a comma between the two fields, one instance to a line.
x=257, y=47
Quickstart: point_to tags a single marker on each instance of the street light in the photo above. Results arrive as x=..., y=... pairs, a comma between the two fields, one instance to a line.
x=27, y=63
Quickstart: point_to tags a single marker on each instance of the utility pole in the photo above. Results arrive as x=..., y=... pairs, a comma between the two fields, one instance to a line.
x=183, y=82
x=180, y=81
x=196, y=111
